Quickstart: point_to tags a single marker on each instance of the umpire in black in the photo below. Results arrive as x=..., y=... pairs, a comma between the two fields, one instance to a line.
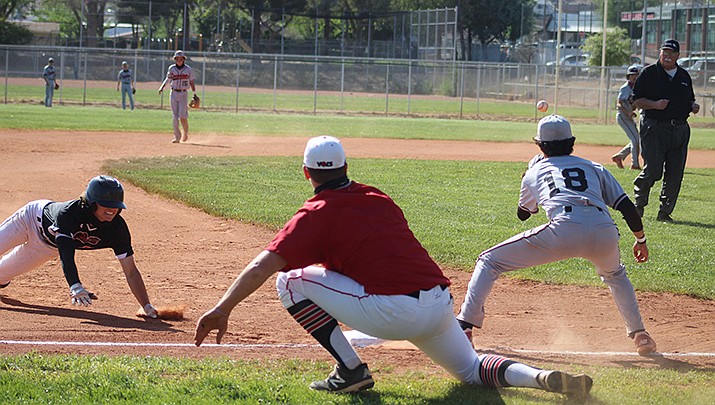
x=664, y=91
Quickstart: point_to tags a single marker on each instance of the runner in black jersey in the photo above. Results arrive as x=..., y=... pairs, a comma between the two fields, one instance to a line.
x=43, y=230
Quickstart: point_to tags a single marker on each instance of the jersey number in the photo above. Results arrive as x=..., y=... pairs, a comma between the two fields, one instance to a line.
x=574, y=179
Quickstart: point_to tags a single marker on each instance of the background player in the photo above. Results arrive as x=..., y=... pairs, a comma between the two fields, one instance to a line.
x=125, y=78
x=42, y=230
x=374, y=277
x=49, y=74
x=626, y=120
x=575, y=194
x=181, y=77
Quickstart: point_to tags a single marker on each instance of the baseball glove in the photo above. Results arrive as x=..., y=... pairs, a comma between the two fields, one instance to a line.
x=195, y=102
x=57, y=86
x=134, y=91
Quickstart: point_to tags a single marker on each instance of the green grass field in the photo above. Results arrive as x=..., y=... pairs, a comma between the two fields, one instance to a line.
x=456, y=209
x=74, y=118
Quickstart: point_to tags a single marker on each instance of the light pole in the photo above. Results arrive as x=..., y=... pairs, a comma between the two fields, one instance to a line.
x=183, y=29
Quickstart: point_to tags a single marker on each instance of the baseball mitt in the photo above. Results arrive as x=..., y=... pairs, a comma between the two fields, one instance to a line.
x=134, y=91
x=195, y=102
x=57, y=86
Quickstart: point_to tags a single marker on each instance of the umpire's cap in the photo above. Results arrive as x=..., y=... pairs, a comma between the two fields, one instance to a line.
x=553, y=128
x=106, y=191
x=324, y=153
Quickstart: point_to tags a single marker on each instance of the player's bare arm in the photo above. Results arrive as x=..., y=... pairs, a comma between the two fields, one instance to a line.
x=134, y=280
x=251, y=278
x=163, y=84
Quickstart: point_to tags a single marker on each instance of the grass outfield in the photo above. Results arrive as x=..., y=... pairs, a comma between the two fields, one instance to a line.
x=471, y=202
x=76, y=118
x=466, y=208
x=351, y=103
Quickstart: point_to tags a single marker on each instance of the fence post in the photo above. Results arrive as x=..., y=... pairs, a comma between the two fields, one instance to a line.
x=84, y=90
x=203, y=79
x=387, y=88
x=7, y=67
x=342, y=84
x=409, y=88
x=461, y=90
x=275, y=80
x=315, y=85
x=238, y=79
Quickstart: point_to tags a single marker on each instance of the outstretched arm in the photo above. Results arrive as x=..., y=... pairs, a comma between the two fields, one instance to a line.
x=251, y=278
x=135, y=280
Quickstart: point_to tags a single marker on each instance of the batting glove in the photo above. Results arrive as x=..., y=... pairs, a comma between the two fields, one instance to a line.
x=150, y=311
x=79, y=295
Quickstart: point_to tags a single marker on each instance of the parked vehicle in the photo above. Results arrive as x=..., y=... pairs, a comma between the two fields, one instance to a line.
x=703, y=66
x=575, y=65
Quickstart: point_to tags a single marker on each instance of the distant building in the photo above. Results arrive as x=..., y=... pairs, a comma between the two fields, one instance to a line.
x=692, y=25
x=43, y=33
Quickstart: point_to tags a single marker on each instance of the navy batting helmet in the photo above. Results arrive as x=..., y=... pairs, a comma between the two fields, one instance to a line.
x=633, y=70
x=106, y=191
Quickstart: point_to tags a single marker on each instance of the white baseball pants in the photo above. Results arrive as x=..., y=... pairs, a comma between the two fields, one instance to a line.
x=585, y=232
x=634, y=147
x=21, y=236
x=427, y=322
x=179, y=109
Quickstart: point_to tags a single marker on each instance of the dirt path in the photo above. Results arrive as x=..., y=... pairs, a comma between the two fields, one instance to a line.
x=187, y=256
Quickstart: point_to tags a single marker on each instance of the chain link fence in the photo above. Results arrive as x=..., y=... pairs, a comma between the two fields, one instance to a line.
x=260, y=82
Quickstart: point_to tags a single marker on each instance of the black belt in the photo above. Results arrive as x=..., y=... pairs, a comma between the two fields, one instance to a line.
x=568, y=208
x=178, y=91
x=671, y=123
x=416, y=294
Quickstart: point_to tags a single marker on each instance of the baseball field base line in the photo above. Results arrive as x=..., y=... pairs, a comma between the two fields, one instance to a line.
x=298, y=345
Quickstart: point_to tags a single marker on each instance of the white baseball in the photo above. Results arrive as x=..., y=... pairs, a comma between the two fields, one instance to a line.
x=542, y=105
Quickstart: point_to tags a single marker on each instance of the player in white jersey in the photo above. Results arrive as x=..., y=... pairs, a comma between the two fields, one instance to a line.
x=125, y=78
x=575, y=194
x=182, y=78
x=50, y=76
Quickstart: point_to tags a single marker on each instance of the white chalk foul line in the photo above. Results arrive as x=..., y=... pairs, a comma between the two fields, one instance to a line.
x=147, y=344
x=609, y=354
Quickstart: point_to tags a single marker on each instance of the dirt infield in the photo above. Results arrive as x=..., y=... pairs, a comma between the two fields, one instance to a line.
x=187, y=256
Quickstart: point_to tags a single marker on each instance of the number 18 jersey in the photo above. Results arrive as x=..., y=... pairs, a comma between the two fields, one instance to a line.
x=560, y=181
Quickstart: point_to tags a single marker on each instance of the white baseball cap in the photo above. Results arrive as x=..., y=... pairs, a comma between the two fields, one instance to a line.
x=553, y=128
x=179, y=54
x=324, y=152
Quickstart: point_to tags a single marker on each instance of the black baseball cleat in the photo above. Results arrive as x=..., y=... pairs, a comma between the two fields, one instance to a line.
x=573, y=386
x=4, y=285
x=342, y=380
x=663, y=217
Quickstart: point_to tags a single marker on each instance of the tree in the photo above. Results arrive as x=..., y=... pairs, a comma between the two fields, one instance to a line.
x=64, y=11
x=618, y=47
x=491, y=20
x=10, y=8
x=13, y=34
